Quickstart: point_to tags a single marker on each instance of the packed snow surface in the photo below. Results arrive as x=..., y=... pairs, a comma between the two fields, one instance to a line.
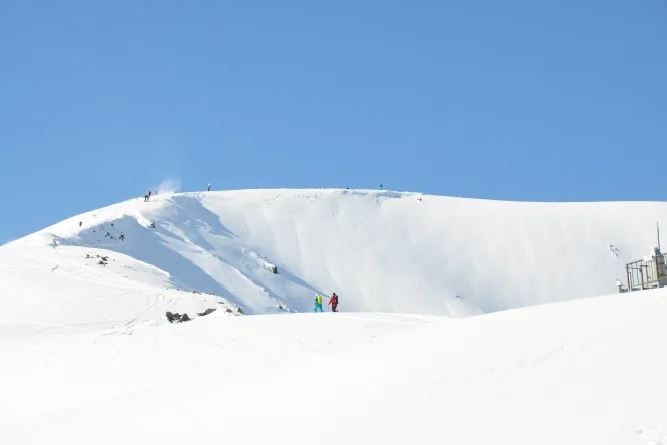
x=589, y=371
x=425, y=352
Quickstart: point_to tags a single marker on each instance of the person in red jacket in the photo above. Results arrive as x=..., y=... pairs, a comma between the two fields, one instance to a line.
x=333, y=301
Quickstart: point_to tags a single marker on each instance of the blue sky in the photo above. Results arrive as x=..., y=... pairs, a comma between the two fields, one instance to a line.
x=518, y=100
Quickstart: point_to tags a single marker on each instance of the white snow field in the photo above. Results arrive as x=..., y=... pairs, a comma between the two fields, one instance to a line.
x=379, y=250
x=590, y=371
x=454, y=326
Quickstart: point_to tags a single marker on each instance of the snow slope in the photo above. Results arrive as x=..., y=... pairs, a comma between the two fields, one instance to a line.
x=379, y=250
x=88, y=356
x=589, y=371
x=66, y=289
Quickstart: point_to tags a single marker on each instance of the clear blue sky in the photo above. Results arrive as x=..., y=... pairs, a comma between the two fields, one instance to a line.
x=522, y=100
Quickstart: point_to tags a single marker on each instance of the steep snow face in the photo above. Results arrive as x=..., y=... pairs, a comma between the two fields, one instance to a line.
x=379, y=250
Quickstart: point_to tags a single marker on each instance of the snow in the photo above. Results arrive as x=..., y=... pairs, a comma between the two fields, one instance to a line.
x=587, y=371
x=379, y=250
x=89, y=357
x=68, y=288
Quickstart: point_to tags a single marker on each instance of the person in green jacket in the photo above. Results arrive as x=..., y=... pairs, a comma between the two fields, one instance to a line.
x=318, y=303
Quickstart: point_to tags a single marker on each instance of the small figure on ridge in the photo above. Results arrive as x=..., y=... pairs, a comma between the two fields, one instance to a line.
x=318, y=303
x=333, y=301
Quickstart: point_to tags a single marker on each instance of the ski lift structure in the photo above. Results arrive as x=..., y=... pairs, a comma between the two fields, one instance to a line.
x=648, y=273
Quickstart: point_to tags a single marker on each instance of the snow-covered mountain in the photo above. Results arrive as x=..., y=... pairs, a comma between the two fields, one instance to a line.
x=379, y=250
x=89, y=357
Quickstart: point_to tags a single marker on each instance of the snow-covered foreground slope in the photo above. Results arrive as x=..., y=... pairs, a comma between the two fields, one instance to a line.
x=379, y=250
x=590, y=371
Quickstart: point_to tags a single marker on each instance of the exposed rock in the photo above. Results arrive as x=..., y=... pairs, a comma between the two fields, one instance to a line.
x=177, y=318
x=206, y=312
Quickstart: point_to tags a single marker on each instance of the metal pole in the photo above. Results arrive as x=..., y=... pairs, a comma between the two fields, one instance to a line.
x=657, y=226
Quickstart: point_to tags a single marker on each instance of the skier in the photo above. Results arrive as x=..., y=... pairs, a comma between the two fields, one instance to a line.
x=318, y=303
x=333, y=301
x=209, y=188
x=147, y=196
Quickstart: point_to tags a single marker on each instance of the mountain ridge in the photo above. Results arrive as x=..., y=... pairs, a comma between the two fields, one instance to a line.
x=379, y=250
